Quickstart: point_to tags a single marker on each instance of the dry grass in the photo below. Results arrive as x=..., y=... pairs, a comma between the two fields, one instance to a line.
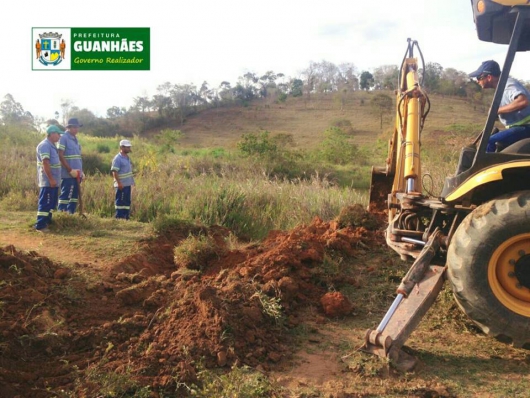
x=307, y=120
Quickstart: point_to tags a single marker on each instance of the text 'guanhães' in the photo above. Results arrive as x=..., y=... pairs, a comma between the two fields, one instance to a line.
x=91, y=48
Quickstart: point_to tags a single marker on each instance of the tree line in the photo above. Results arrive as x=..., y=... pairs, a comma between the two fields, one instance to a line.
x=175, y=102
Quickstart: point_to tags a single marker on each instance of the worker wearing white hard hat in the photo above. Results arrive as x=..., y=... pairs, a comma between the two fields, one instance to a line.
x=122, y=172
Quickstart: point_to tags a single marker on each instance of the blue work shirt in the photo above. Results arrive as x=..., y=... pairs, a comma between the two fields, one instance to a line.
x=47, y=150
x=72, y=153
x=122, y=164
x=512, y=90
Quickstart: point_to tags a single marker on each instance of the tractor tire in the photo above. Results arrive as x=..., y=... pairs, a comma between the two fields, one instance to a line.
x=488, y=264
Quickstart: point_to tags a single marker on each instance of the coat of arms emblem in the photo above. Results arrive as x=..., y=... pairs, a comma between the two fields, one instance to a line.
x=50, y=48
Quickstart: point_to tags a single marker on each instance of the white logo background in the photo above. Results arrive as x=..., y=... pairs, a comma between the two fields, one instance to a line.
x=65, y=63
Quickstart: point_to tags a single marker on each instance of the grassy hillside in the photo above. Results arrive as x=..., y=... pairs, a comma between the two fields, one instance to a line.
x=307, y=119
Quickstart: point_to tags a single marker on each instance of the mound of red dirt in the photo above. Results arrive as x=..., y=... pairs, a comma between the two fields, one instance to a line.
x=156, y=323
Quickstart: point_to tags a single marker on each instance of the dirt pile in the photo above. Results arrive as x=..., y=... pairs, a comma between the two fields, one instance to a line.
x=155, y=322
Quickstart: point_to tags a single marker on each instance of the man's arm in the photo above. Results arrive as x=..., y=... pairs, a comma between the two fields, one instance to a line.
x=48, y=171
x=63, y=161
x=117, y=179
x=517, y=104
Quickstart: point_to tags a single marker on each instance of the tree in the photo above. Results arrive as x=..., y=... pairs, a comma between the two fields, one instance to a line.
x=267, y=82
x=163, y=105
x=225, y=91
x=348, y=77
x=367, y=80
x=162, y=102
x=115, y=112
x=184, y=97
x=246, y=88
x=12, y=111
x=141, y=104
x=453, y=82
x=206, y=94
x=382, y=104
x=310, y=77
x=296, y=87
x=386, y=77
x=66, y=105
x=432, y=76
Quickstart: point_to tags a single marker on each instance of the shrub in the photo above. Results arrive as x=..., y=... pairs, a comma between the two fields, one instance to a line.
x=282, y=97
x=194, y=252
x=103, y=148
x=166, y=224
x=257, y=144
x=335, y=148
x=343, y=124
x=93, y=163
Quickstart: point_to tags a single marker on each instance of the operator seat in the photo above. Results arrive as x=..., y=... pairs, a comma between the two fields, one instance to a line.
x=522, y=146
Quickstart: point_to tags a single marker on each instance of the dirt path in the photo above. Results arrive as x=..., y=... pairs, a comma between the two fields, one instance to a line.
x=53, y=246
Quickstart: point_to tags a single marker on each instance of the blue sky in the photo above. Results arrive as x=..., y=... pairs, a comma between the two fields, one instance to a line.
x=216, y=40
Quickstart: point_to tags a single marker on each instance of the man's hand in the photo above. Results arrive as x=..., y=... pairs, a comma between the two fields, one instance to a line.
x=74, y=173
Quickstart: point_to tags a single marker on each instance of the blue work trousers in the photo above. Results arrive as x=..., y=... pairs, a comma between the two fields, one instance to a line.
x=508, y=137
x=123, y=202
x=69, y=195
x=47, y=203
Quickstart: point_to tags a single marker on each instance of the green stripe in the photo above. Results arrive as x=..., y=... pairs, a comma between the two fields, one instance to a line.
x=126, y=175
x=526, y=120
x=122, y=207
x=42, y=213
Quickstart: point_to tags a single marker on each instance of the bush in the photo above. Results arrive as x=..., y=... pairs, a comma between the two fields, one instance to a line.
x=343, y=124
x=103, y=148
x=257, y=144
x=93, y=163
x=282, y=97
x=167, y=224
x=335, y=148
x=194, y=252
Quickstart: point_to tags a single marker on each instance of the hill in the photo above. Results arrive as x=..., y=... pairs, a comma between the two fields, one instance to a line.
x=306, y=120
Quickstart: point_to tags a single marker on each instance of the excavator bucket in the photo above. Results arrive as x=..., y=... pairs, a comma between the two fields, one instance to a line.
x=380, y=187
x=416, y=294
x=407, y=316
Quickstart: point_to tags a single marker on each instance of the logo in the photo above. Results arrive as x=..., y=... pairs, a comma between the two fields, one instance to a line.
x=50, y=48
x=91, y=48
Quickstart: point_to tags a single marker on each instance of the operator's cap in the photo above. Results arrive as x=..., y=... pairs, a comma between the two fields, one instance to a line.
x=73, y=122
x=487, y=68
x=54, y=129
x=125, y=143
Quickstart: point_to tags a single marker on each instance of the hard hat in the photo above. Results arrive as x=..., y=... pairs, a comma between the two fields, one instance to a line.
x=125, y=143
x=54, y=129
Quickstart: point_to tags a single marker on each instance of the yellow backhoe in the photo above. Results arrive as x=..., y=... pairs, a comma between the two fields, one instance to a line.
x=477, y=233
